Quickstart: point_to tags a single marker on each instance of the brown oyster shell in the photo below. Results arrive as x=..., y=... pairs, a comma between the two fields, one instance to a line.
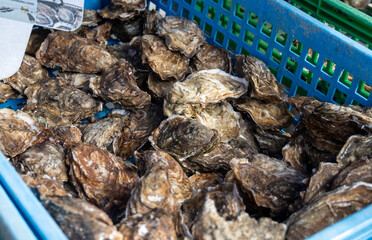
x=183, y=137
x=73, y=53
x=125, y=31
x=79, y=80
x=167, y=64
x=157, y=86
x=47, y=116
x=6, y=92
x=262, y=83
x=328, y=209
x=207, y=86
x=178, y=180
x=210, y=225
x=212, y=57
x=90, y=18
x=154, y=225
x=102, y=178
x=30, y=72
x=130, y=5
x=100, y=34
x=37, y=37
x=122, y=13
x=151, y=19
x=267, y=182
x=271, y=141
x=356, y=148
x=118, y=84
x=203, y=181
x=45, y=187
x=18, y=131
x=72, y=103
x=181, y=34
x=359, y=171
x=79, y=219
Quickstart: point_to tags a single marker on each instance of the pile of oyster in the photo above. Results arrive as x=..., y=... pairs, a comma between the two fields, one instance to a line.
x=212, y=160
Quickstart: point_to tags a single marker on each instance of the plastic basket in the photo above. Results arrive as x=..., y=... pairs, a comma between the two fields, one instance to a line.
x=341, y=16
x=307, y=57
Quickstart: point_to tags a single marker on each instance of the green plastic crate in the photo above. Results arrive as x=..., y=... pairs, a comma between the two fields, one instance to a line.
x=344, y=18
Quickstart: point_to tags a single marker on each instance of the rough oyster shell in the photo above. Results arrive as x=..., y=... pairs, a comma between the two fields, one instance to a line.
x=125, y=31
x=79, y=80
x=18, y=130
x=100, y=34
x=37, y=37
x=356, y=148
x=357, y=171
x=181, y=34
x=44, y=187
x=6, y=92
x=151, y=19
x=272, y=141
x=203, y=181
x=131, y=5
x=207, y=86
x=164, y=62
x=113, y=12
x=212, y=57
x=90, y=18
x=157, y=86
x=73, y=53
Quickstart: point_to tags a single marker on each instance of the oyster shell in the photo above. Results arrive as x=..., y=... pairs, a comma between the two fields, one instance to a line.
x=271, y=141
x=43, y=187
x=168, y=64
x=181, y=34
x=154, y=225
x=207, y=86
x=73, y=53
x=79, y=219
x=29, y=73
x=102, y=178
x=263, y=84
x=18, y=131
x=47, y=116
x=151, y=19
x=6, y=92
x=212, y=57
x=157, y=86
x=203, y=181
x=210, y=225
x=100, y=34
x=72, y=103
x=183, y=137
x=267, y=182
x=90, y=18
x=356, y=148
x=118, y=84
x=328, y=209
x=46, y=159
x=125, y=31
x=357, y=171
x=177, y=179
x=131, y=5
x=37, y=37
x=114, y=12
x=79, y=80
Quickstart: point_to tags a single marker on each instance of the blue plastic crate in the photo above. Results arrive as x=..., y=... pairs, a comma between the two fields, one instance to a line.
x=306, y=56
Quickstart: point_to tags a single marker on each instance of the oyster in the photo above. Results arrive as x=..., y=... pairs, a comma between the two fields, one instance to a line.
x=29, y=73
x=79, y=80
x=181, y=34
x=18, y=131
x=357, y=171
x=267, y=182
x=37, y=37
x=154, y=225
x=73, y=53
x=356, y=148
x=328, y=209
x=138, y=127
x=177, y=179
x=210, y=225
x=202, y=181
x=263, y=84
x=6, y=92
x=103, y=132
x=151, y=19
x=272, y=141
x=157, y=86
x=125, y=31
x=79, y=219
x=183, y=137
x=43, y=187
x=90, y=18
x=168, y=64
x=212, y=57
x=321, y=181
x=101, y=177
x=100, y=34
x=68, y=134
x=131, y=5
x=114, y=12
x=207, y=86
x=72, y=103
x=118, y=84
x=46, y=159
x=47, y=116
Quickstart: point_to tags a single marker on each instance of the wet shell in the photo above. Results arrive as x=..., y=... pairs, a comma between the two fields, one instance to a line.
x=44, y=187
x=113, y=12
x=6, y=92
x=131, y=5
x=79, y=80
x=356, y=148
x=37, y=37
x=157, y=86
x=212, y=57
x=358, y=171
x=151, y=19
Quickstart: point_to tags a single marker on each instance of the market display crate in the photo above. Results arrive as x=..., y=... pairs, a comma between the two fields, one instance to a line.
x=307, y=57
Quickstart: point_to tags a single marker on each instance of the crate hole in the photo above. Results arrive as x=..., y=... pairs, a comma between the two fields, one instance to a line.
x=248, y=38
x=296, y=47
x=307, y=75
x=312, y=57
x=339, y=97
x=211, y=13
x=185, y=13
x=329, y=67
x=346, y=78
x=164, y=2
x=236, y=29
x=239, y=12
x=364, y=89
x=208, y=29
x=291, y=65
x=219, y=37
x=273, y=71
x=244, y=51
x=197, y=19
x=286, y=83
x=227, y=5
x=253, y=19
x=267, y=29
x=300, y=91
x=276, y=55
x=356, y=103
x=223, y=21
x=322, y=86
x=262, y=46
x=162, y=12
x=174, y=7
x=281, y=37
x=232, y=46
x=199, y=6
